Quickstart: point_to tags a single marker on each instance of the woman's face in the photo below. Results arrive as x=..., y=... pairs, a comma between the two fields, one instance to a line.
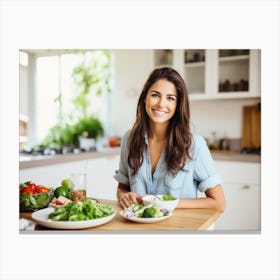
x=161, y=101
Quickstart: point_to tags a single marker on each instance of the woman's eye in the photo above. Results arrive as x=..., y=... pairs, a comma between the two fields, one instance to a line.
x=170, y=98
x=154, y=95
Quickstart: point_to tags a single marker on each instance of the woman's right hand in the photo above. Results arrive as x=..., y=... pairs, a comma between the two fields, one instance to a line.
x=127, y=198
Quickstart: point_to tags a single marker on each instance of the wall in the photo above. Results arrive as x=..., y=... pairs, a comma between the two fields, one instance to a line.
x=222, y=116
x=132, y=68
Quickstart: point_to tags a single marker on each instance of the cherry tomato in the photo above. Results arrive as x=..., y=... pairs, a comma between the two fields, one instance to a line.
x=42, y=189
x=27, y=190
x=78, y=195
x=33, y=187
x=58, y=202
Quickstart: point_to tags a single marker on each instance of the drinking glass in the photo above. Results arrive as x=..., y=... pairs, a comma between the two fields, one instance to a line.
x=79, y=186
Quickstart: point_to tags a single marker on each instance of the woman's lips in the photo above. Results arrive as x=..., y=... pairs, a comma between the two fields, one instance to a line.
x=159, y=112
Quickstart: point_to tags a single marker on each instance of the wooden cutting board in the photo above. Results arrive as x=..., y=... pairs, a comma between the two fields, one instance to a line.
x=251, y=126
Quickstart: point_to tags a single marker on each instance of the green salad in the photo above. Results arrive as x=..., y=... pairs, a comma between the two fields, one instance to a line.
x=168, y=197
x=148, y=211
x=86, y=210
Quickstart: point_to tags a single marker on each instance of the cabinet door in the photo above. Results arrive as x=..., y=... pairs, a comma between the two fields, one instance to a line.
x=241, y=185
x=242, y=207
x=101, y=182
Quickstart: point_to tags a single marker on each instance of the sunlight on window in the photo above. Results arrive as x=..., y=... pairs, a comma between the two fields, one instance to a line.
x=57, y=89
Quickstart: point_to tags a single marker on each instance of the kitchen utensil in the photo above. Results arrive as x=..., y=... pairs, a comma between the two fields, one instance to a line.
x=157, y=197
x=251, y=126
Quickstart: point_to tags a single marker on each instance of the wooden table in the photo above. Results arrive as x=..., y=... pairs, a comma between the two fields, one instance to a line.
x=181, y=220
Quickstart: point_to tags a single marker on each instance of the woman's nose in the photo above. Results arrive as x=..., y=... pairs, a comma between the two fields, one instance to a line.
x=161, y=102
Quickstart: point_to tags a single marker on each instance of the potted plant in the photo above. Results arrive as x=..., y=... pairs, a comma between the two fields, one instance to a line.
x=83, y=133
x=89, y=77
x=87, y=130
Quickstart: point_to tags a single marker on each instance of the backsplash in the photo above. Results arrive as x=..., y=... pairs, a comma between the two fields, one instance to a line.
x=223, y=117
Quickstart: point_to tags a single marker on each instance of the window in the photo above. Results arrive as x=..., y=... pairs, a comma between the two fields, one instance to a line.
x=58, y=85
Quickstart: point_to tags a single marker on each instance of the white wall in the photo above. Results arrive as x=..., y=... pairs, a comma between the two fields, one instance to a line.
x=221, y=116
x=132, y=68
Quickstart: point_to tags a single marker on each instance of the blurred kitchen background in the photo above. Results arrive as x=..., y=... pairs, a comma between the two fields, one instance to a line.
x=75, y=105
x=57, y=87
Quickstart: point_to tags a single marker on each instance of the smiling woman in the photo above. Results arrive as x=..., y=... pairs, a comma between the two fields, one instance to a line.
x=169, y=159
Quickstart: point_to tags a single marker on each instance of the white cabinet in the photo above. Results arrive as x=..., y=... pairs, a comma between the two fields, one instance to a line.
x=243, y=207
x=215, y=74
x=242, y=192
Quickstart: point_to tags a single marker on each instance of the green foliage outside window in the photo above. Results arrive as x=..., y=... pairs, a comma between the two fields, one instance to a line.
x=91, y=77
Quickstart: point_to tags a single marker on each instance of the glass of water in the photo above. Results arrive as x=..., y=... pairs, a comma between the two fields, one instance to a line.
x=79, y=186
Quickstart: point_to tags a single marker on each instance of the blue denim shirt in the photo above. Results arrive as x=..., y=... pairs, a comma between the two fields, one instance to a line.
x=199, y=173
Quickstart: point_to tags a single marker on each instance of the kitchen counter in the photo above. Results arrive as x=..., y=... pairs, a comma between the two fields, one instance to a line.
x=235, y=156
x=181, y=220
x=30, y=161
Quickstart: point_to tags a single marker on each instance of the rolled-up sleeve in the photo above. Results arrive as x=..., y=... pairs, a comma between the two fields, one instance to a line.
x=121, y=175
x=205, y=171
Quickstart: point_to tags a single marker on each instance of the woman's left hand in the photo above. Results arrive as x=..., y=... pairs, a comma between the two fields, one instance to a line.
x=127, y=198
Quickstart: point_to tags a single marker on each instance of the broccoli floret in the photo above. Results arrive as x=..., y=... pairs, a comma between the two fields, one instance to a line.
x=136, y=207
x=152, y=212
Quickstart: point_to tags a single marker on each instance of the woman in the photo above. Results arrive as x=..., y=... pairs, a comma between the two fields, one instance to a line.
x=160, y=155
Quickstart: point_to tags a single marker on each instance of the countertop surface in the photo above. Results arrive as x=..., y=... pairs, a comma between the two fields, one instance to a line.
x=30, y=161
x=235, y=156
x=181, y=220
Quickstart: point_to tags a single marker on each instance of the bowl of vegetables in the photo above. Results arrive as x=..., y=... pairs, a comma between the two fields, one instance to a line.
x=167, y=202
x=33, y=197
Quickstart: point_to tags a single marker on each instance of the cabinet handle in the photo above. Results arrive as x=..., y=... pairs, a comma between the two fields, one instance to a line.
x=246, y=187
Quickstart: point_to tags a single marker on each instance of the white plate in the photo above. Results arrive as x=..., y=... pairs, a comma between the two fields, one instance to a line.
x=145, y=220
x=41, y=217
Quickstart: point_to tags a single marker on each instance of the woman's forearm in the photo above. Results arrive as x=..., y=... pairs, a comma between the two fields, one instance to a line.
x=214, y=199
x=203, y=202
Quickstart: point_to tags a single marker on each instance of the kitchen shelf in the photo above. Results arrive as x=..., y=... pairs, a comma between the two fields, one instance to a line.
x=234, y=73
x=194, y=64
x=195, y=77
x=163, y=57
x=206, y=71
x=194, y=71
x=234, y=58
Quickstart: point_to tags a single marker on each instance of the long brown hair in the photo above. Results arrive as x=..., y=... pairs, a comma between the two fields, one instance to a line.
x=179, y=137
